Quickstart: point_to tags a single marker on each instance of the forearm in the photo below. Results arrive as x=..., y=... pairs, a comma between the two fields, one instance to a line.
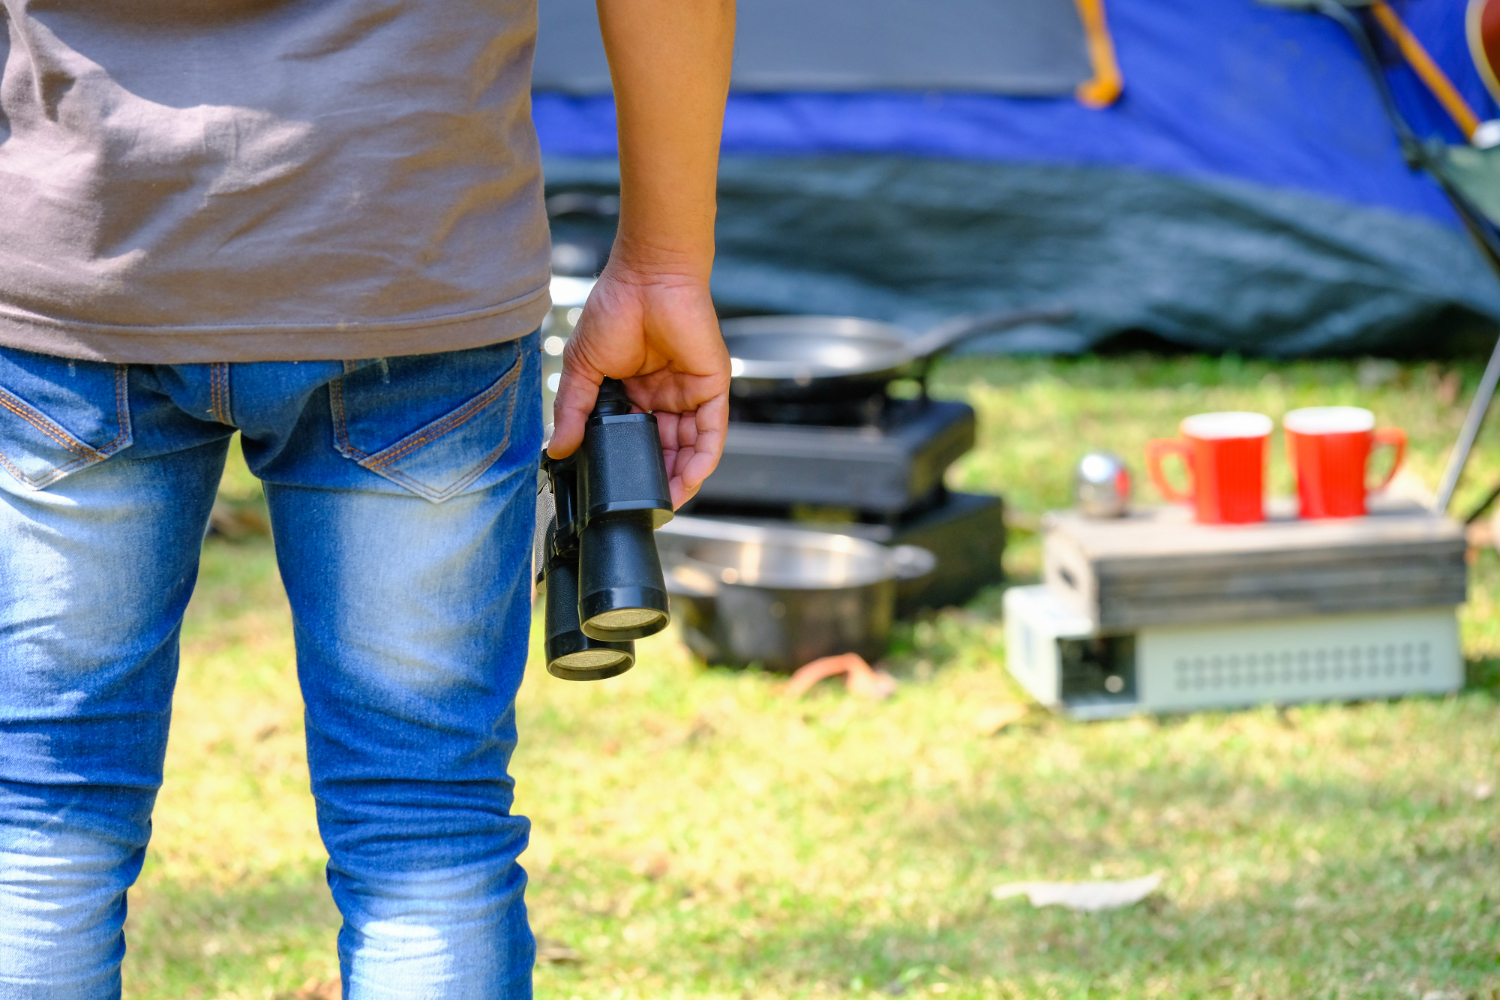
x=669, y=61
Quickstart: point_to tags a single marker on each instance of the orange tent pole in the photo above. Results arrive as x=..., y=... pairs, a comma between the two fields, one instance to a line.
x=1430, y=72
x=1107, y=85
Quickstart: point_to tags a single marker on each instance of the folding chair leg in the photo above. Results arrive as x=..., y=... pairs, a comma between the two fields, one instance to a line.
x=1472, y=422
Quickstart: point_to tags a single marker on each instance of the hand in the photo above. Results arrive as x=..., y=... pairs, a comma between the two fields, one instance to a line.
x=659, y=333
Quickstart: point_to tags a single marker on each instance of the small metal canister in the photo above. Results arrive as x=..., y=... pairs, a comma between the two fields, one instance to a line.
x=1101, y=485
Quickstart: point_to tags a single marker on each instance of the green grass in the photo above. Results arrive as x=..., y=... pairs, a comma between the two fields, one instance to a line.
x=698, y=835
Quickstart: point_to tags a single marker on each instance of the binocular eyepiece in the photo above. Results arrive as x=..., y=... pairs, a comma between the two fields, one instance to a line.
x=598, y=560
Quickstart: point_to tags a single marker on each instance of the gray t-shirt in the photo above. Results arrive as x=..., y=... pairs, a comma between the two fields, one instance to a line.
x=238, y=180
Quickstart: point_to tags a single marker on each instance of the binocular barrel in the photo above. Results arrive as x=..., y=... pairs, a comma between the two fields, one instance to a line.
x=572, y=655
x=621, y=592
x=601, y=560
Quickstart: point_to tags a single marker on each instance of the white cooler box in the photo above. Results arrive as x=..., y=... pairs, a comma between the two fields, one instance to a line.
x=1055, y=652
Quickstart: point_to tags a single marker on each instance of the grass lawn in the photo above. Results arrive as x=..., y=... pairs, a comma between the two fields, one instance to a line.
x=698, y=835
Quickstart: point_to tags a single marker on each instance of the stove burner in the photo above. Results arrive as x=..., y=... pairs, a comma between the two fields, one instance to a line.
x=873, y=410
x=881, y=468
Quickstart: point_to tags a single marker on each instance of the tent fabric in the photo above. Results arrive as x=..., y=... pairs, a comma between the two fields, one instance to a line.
x=1001, y=46
x=1246, y=193
x=911, y=240
x=1214, y=88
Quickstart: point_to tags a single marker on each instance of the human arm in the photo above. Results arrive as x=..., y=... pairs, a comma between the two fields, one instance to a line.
x=650, y=319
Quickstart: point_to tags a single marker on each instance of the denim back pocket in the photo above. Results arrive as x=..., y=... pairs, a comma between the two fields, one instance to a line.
x=432, y=423
x=58, y=416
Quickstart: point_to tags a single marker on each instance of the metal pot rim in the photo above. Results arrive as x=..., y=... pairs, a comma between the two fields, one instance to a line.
x=890, y=563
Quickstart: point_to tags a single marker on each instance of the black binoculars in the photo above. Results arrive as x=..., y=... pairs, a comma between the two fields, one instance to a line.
x=598, y=559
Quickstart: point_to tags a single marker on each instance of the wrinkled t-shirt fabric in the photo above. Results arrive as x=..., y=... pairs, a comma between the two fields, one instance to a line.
x=240, y=180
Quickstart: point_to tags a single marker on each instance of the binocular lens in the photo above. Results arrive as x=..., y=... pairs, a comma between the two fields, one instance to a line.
x=591, y=659
x=622, y=594
x=571, y=655
x=591, y=664
x=627, y=618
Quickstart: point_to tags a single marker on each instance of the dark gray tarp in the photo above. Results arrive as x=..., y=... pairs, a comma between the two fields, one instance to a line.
x=1000, y=46
x=1211, y=265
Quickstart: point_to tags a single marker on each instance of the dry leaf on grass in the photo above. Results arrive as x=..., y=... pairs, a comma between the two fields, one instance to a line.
x=652, y=865
x=994, y=718
x=1448, y=388
x=1086, y=897
x=549, y=952
x=238, y=523
x=876, y=685
x=861, y=679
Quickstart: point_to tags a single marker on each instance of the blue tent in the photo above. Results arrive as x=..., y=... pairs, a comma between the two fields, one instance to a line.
x=1245, y=193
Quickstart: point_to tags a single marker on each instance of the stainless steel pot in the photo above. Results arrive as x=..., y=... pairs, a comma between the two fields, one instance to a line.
x=780, y=597
x=835, y=357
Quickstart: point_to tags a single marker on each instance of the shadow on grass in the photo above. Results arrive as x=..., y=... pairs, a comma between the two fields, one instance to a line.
x=1299, y=937
x=1402, y=900
x=1276, y=940
x=1277, y=886
x=1405, y=893
x=1483, y=675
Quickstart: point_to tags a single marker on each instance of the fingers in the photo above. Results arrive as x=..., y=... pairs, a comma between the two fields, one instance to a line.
x=606, y=341
x=577, y=390
x=682, y=489
x=692, y=444
x=680, y=494
x=668, y=425
x=703, y=442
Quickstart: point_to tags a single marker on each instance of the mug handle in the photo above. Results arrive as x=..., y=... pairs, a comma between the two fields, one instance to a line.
x=1158, y=449
x=1395, y=437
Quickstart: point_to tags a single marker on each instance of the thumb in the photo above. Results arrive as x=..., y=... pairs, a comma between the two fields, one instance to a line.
x=577, y=390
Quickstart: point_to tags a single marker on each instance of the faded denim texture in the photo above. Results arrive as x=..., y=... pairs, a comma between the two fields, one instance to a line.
x=401, y=493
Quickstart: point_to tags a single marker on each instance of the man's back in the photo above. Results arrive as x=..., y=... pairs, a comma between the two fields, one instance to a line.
x=316, y=226
x=190, y=180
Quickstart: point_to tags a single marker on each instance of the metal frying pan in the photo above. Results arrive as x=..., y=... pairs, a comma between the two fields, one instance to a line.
x=830, y=357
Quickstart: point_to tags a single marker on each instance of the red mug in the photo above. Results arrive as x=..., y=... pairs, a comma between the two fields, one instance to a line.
x=1225, y=455
x=1329, y=448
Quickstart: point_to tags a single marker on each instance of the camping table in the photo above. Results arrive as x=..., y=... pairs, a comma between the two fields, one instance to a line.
x=1158, y=567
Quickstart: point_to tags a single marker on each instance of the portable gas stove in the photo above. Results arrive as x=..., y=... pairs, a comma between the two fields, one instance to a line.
x=872, y=467
x=881, y=457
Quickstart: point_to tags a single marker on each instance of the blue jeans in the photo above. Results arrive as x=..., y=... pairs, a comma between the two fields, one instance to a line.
x=402, y=496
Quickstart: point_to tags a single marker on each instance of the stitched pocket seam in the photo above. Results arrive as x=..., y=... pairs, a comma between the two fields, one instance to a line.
x=218, y=391
x=379, y=462
x=87, y=454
